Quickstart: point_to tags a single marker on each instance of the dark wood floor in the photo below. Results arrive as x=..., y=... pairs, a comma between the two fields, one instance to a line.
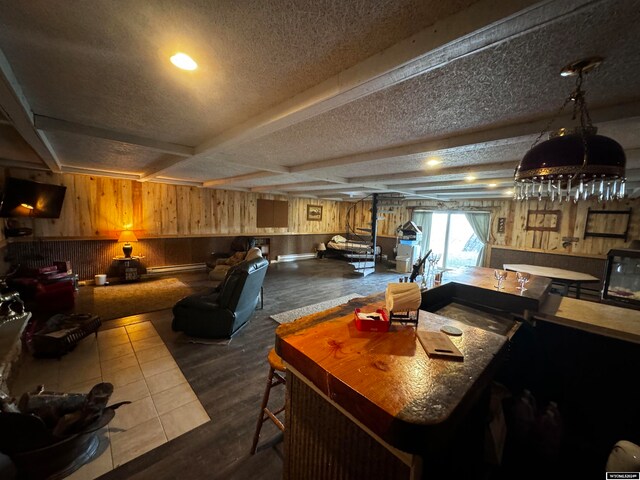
x=229, y=380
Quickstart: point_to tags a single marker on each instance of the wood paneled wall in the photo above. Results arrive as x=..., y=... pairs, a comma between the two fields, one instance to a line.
x=99, y=207
x=573, y=219
x=397, y=216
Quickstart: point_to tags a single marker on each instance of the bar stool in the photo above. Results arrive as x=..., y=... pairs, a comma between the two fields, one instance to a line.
x=275, y=378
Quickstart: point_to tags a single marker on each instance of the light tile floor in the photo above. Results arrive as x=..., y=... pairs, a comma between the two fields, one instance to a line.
x=138, y=364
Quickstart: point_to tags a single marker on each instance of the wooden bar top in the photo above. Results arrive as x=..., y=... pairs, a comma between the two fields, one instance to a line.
x=598, y=318
x=481, y=277
x=477, y=286
x=386, y=380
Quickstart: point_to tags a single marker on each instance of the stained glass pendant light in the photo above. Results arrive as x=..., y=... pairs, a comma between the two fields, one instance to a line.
x=574, y=163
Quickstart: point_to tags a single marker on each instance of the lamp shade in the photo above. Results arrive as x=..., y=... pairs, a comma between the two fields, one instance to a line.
x=564, y=157
x=127, y=236
x=322, y=247
x=575, y=163
x=578, y=165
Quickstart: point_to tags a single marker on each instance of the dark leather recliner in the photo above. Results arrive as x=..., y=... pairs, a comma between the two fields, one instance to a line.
x=221, y=312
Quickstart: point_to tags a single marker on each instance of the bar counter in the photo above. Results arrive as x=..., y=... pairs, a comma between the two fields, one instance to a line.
x=375, y=405
x=383, y=382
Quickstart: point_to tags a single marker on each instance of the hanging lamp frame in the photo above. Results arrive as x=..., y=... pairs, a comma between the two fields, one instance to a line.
x=574, y=163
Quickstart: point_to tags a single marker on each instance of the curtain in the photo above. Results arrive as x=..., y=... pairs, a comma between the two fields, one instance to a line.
x=480, y=224
x=423, y=220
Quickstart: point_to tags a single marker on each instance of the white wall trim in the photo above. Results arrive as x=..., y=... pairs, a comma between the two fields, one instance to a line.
x=293, y=257
x=176, y=268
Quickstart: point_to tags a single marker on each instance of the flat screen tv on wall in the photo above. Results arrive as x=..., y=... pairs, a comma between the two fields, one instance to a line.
x=25, y=198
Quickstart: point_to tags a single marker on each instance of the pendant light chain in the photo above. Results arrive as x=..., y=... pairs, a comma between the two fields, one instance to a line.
x=574, y=163
x=580, y=105
x=550, y=122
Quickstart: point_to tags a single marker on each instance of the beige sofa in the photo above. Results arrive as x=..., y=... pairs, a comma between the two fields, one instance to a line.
x=224, y=264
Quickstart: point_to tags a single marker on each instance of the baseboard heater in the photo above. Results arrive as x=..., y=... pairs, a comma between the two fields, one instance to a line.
x=176, y=268
x=292, y=257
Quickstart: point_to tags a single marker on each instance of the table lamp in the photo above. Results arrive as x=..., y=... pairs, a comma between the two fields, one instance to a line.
x=127, y=236
x=322, y=248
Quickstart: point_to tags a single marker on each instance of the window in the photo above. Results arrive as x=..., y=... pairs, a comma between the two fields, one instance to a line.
x=459, y=237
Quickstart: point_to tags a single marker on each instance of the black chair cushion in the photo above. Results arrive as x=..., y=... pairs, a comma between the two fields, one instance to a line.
x=221, y=312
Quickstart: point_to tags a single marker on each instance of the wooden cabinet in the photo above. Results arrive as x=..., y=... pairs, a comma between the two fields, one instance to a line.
x=128, y=269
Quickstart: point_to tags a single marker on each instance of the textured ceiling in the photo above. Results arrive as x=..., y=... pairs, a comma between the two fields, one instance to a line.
x=253, y=55
x=457, y=157
x=87, y=152
x=494, y=87
x=13, y=146
x=308, y=97
x=199, y=169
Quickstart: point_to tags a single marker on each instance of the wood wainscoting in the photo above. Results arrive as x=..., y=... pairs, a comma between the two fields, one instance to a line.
x=91, y=257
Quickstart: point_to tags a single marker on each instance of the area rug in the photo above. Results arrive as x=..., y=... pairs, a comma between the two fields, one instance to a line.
x=291, y=315
x=123, y=300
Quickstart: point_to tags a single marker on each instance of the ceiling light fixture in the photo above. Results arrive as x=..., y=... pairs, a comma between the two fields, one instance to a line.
x=184, y=61
x=433, y=162
x=469, y=178
x=574, y=163
x=492, y=185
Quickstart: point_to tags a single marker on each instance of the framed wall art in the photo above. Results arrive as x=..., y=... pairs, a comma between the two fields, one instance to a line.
x=314, y=212
x=543, y=220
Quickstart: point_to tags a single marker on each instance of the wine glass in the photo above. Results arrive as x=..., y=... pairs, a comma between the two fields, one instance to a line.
x=523, y=278
x=500, y=275
x=433, y=260
x=424, y=274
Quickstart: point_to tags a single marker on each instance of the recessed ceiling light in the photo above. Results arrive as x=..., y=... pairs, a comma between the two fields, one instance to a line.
x=508, y=193
x=469, y=178
x=492, y=185
x=433, y=162
x=184, y=61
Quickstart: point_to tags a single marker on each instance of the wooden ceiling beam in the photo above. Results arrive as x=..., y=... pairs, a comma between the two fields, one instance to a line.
x=291, y=187
x=457, y=183
x=99, y=172
x=422, y=176
x=447, y=191
x=238, y=178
